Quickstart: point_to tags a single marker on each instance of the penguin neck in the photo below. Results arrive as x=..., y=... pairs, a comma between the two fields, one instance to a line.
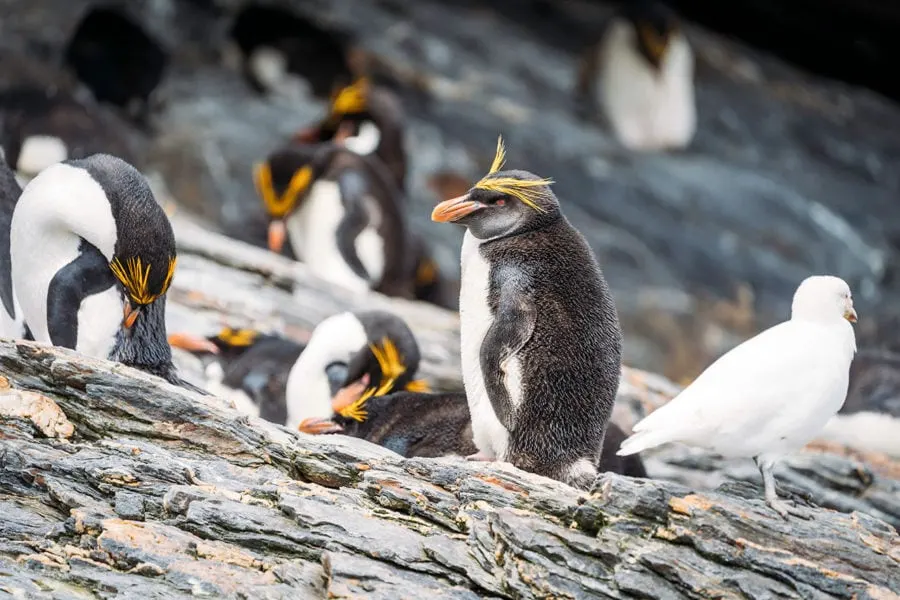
x=145, y=346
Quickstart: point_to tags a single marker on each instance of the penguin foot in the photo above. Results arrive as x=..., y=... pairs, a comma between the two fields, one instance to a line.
x=480, y=456
x=318, y=426
x=784, y=509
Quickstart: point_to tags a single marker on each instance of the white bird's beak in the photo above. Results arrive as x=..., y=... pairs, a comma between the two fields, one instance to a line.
x=850, y=314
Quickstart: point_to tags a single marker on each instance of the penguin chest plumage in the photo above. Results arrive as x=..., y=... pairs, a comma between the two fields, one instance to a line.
x=647, y=109
x=314, y=230
x=366, y=140
x=490, y=436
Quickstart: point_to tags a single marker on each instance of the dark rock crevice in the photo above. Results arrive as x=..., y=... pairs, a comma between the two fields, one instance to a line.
x=117, y=60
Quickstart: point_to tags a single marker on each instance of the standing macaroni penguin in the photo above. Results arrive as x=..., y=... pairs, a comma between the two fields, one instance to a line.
x=341, y=217
x=92, y=257
x=540, y=337
x=11, y=320
x=373, y=117
x=646, y=71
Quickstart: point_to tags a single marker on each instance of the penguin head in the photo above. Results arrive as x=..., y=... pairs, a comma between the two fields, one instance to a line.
x=654, y=27
x=285, y=178
x=823, y=298
x=228, y=343
x=351, y=100
x=502, y=203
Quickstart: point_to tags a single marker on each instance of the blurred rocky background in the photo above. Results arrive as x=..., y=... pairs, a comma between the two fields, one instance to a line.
x=791, y=172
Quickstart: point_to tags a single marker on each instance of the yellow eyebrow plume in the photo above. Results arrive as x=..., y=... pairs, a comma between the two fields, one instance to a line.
x=357, y=411
x=528, y=191
x=135, y=277
x=417, y=385
x=276, y=206
x=238, y=337
x=351, y=99
x=390, y=362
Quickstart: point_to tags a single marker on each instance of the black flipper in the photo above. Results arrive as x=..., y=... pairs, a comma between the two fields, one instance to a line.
x=513, y=325
x=352, y=186
x=85, y=276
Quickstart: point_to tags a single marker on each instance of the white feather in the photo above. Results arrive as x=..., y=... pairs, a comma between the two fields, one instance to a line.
x=489, y=434
x=56, y=209
x=336, y=339
x=39, y=152
x=866, y=431
x=12, y=328
x=769, y=395
x=269, y=66
x=366, y=140
x=647, y=110
x=313, y=234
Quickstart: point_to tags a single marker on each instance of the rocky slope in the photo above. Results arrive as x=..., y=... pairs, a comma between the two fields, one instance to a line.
x=115, y=484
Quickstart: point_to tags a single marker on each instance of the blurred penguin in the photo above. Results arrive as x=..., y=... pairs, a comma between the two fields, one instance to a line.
x=646, y=71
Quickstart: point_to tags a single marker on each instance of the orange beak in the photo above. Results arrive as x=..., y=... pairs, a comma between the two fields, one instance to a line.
x=454, y=209
x=130, y=315
x=277, y=234
x=192, y=344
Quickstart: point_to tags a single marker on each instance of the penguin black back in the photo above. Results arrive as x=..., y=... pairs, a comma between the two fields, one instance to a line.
x=9, y=195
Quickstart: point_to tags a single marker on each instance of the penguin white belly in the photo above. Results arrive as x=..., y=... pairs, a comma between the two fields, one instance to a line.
x=313, y=233
x=647, y=110
x=12, y=328
x=366, y=141
x=96, y=330
x=39, y=152
x=489, y=434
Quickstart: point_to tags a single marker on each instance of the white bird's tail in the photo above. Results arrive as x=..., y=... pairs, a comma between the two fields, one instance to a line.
x=642, y=440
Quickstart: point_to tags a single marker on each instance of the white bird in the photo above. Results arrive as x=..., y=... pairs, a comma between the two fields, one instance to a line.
x=770, y=395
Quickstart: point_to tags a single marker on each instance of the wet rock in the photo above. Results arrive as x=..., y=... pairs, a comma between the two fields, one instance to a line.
x=238, y=507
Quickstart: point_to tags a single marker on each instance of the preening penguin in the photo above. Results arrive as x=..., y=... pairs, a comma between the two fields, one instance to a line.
x=341, y=217
x=769, y=395
x=374, y=116
x=646, y=71
x=540, y=337
x=11, y=320
x=438, y=424
x=246, y=366
x=343, y=349
x=92, y=257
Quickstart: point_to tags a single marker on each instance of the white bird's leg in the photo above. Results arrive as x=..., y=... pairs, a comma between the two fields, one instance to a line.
x=766, y=469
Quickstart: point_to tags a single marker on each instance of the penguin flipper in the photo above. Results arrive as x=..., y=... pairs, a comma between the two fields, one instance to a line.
x=352, y=186
x=512, y=328
x=88, y=274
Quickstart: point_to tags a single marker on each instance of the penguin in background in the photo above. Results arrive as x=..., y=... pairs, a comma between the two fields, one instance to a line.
x=438, y=424
x=540, y=337
x=343, y=349
x=645, y=67
x=92, y=256
x=373, y=118
x=340, y=215
x=247, y=367
x=12, y=325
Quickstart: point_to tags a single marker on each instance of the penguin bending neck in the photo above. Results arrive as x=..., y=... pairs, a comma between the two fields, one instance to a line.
x=92, y=257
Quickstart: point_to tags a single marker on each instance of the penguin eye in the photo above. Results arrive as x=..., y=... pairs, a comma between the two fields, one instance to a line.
x=499, y=202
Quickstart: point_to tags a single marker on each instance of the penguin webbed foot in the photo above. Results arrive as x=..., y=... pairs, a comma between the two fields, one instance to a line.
x=319, y=426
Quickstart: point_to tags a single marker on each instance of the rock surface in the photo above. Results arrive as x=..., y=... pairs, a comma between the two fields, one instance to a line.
x=164, y=494
x=161, y=493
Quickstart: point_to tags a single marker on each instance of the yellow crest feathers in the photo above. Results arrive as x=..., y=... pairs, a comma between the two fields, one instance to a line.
x=238, y=337
x=135, y=277
x=357, y=410
x=279, y=206
x=351, y=99
x=528, y=191
x=417, y=385
x=499, y=157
